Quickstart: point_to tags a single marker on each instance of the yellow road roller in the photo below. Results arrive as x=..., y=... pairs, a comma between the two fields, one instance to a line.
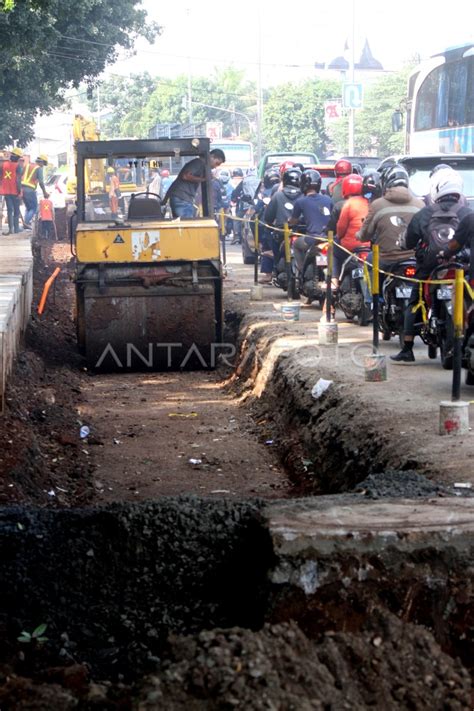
x=148, y=287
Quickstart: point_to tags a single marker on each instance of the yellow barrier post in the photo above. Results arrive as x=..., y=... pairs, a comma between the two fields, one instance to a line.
x=222, y=234
x=375, y=295
x=286, y=238
x=255, y=234
x=329, y=272
x=458, y=318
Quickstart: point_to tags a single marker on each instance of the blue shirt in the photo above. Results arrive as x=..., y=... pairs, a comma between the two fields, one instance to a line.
x=316, y=211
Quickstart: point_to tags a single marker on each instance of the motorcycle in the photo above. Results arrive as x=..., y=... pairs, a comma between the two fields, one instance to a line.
x=468, y=347
x=351, y=294
x=395, y=294
x=309, y=278
x=438, y=331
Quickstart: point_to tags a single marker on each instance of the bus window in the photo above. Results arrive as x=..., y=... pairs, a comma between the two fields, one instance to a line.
x=458, y=72
x=425, y=112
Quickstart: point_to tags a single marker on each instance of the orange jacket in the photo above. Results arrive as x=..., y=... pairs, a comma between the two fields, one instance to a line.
x=350, y=221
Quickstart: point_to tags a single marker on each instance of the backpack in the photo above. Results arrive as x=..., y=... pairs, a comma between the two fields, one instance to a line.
x=443, y=223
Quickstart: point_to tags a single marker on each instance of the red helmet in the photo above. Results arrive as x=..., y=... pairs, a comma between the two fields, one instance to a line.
x=343, y=167
x=352, y=185
x=285, y=166
x=165, y=173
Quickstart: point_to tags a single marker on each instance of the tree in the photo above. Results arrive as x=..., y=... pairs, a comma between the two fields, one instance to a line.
x=294, y=116
x=373, y=124
x=52, y=45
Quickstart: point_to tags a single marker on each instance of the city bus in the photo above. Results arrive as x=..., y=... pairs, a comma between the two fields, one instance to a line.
x=440, y=104
x=238, y=153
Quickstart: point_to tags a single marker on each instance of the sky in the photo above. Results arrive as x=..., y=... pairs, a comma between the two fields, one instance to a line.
x=283, y=40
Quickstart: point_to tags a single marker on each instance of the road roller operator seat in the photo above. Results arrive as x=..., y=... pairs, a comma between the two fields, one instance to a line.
x=145, y=206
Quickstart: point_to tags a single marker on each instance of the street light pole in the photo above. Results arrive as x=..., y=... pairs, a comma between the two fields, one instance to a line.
x=351, y=111
x=228, y=111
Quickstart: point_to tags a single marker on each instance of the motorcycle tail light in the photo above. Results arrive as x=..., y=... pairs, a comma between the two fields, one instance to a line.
x=410, y=271
x=324, y=248
x=293, y=238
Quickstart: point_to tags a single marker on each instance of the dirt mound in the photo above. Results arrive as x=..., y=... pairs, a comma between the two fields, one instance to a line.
x=390, y=665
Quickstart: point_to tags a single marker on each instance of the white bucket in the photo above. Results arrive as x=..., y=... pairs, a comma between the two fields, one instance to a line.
x=375, y=368
x=290, y=312
x=453, y=418
x=327, y=333
x=256, y=293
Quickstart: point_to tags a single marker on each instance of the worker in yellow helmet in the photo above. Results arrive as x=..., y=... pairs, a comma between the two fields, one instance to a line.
x=31, y=178
x=10, y=186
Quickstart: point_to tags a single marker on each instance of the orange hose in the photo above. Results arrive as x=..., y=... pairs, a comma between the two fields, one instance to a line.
x=46, y=289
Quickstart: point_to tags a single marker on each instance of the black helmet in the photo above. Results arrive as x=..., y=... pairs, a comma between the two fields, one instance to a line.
x=271, y=178
x=385, y=166
x=238, y=172
x=292, y=176
x=310, y=180
x=372, y=183
x=395, y=177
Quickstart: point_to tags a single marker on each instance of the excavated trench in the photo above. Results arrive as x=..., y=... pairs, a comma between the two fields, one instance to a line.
x=356, y=592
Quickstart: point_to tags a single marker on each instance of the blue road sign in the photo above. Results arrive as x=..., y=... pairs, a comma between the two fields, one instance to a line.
x=352, y=95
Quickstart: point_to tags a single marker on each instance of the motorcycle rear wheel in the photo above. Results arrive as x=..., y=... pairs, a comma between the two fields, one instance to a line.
x=293, y=292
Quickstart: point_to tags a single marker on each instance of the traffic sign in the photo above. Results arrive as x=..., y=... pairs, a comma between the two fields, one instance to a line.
x=333, y=110
x=352, y=95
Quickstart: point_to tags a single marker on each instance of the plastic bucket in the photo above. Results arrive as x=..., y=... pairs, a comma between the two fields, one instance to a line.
x=290, y=312
x=327, y=333
x=453, y=418
x=256, y=293
x=375, y=368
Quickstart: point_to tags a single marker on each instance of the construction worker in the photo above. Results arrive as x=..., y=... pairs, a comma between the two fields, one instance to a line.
x=31, y=178
x=114, y=192
x=46, y=218
x=11, y=188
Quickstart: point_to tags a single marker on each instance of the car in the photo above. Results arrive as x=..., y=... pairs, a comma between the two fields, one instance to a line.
x=420, y=167
x=326, y=171
x=276, y=158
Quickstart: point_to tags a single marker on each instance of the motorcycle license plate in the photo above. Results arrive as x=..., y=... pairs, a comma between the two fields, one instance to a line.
x=357, y=273
x=403, y=292
x=444, y=293
x=321, y=260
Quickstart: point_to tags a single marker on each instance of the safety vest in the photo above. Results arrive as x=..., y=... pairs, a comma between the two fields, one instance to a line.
x=30, y=176
x=46, y=210
x=9, y=181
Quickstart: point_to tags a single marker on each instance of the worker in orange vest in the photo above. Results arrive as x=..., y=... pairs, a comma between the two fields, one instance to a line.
x=114, y=191
x=11, y=188
x=46, y=216
x=31, y=178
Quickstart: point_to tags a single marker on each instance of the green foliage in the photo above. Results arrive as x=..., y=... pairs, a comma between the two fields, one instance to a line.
x=294, y=116
x=35, y=637
x=52, y=45
x=140, y=102
x=373, y=124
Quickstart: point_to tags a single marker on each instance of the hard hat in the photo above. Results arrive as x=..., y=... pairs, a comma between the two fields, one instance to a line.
x=110, y=169
x=43, y=157
x=17, y=152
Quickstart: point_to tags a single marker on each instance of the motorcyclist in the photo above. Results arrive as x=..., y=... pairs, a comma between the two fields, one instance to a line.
x=353, y=213
x=314, y=209
x=226, y=196
x=270, y=179
x=446, y=196
x=371, y=185
x=341, y=169
x=389, y=216
x=280, y=207
x=237, y=179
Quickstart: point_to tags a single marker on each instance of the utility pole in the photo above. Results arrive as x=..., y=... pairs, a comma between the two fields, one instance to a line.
x=190, y=96
x=259, y=86
x=351, y=111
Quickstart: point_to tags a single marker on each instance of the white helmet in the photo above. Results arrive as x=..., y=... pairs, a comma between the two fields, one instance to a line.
x=445, y=182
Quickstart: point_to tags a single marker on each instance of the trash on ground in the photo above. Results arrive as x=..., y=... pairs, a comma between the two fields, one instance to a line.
x=220, y=491
x=269, y=441
x=84, y=432
x=320, y=387
x=184, y=415
x=195, y=461
x=462, y=485
x=117, y=441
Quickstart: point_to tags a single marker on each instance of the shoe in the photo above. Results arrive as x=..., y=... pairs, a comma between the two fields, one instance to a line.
x=404, y=357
